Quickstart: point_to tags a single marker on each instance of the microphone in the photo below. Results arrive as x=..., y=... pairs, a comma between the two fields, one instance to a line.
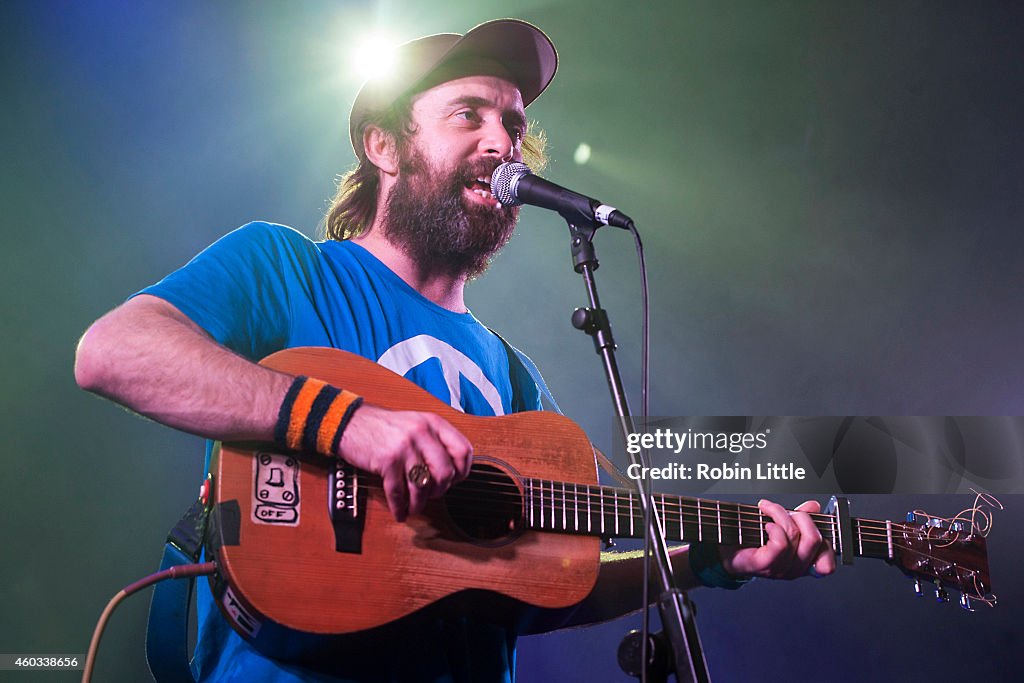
x=513, y=183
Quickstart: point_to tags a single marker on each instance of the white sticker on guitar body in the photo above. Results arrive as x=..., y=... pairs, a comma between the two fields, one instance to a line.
x=239, y=614
x=276, y=497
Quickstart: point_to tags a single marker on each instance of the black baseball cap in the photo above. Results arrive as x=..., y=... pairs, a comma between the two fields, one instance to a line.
x=521, y=51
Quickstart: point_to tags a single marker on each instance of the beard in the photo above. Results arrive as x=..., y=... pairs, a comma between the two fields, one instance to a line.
x=428, y=217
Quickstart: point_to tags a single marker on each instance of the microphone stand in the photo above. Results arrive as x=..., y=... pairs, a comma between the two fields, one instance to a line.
x=685, y=652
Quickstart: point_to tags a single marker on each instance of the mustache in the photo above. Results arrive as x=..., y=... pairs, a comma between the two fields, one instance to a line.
x=470, y=170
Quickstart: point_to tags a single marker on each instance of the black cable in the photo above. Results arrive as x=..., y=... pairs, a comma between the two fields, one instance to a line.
x=645, y=349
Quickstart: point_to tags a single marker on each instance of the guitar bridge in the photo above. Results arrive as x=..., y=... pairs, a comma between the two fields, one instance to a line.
x=346, y=503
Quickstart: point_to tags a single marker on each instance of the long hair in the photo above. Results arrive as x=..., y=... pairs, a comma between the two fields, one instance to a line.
x=355, y=203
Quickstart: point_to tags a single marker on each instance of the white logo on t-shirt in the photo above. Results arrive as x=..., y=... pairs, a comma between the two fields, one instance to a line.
x=405, y=355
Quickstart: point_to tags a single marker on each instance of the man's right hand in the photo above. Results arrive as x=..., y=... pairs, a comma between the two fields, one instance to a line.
x=390, y=443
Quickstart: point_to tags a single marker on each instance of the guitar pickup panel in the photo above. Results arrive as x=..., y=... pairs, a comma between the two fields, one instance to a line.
x=346, y=502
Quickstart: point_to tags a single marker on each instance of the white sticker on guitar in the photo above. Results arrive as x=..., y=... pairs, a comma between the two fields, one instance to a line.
x=276, y=497
x=239, y=615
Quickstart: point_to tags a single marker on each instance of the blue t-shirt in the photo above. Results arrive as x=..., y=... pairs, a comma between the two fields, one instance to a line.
x=266, y=287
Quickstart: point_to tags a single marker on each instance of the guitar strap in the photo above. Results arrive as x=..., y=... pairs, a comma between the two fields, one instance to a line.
x=167, y=651
x=515, y=356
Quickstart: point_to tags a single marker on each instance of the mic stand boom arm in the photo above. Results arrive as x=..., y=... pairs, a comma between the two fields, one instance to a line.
x=674, y=606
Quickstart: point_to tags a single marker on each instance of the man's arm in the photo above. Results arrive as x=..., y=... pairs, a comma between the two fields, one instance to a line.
x=794, y=546
x=150, y=357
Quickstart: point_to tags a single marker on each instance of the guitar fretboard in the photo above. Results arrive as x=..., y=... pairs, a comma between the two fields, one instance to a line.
x=616, y=513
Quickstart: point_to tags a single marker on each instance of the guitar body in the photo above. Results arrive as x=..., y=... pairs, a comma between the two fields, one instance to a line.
x=298, y=553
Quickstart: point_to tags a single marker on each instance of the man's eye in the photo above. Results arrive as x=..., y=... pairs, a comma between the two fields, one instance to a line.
x=468, y=115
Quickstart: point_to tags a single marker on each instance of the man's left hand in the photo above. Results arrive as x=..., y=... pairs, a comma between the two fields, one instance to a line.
x=795, y=547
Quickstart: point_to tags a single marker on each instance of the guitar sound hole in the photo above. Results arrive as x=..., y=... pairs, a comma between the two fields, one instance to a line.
x=487, y=506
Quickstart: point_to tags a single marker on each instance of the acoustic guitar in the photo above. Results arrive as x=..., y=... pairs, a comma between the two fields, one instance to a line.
x=307, y=549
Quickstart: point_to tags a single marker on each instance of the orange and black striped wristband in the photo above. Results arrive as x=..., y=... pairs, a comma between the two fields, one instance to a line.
x=314, y=415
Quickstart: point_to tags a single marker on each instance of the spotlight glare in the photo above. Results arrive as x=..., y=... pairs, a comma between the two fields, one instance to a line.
x=372, y=57
x=582, y=154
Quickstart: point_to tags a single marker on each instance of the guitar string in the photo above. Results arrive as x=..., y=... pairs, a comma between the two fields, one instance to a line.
x=961, y=576
x=597, y=492
x=560, y=503
x=870, y=531
x=705, y=508
x=680, y=506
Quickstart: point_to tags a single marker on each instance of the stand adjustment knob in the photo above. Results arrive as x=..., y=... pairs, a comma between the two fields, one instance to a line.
x=583, y=319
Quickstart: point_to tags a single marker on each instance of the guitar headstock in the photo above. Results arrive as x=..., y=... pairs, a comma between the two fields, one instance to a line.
x=948, y=553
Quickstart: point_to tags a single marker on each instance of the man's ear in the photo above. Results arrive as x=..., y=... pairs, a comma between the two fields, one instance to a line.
x=380, y=149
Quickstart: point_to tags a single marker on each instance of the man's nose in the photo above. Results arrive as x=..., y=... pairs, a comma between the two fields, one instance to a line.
x=496, y=141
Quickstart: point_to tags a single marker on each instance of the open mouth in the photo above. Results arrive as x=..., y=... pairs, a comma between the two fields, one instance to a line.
x=482, y=187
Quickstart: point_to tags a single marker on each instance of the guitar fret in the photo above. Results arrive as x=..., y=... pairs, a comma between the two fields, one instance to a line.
x=700, y=523
x=834, y=523
x=601, y=493
x=860, y=540
x=616, y=512
x=632, y=534
x=681, y=532
x=665, y=521
x=541, y=503
x=760, y=523
x=588, y=508
x=576, y=507
x=666, y=518
x=839, y=536
x=686, y=520
x=552, y=503
x=726, y=513
x=529, y=499
x=739, y=524
x=564, y=505
x=888, y=536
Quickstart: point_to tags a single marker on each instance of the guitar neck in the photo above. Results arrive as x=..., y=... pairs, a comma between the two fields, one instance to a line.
x=617, y=513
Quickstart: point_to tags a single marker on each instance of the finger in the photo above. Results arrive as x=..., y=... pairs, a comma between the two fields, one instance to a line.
x=809, y=506
x=459, y=448
x=823, y=559
x=781, y=516
x=418, y=495
x=809, y=546
x=778, y=543
x=437, y=460
x=783, y=543
x=776, y=555
x=396, y=492
x=826, y=562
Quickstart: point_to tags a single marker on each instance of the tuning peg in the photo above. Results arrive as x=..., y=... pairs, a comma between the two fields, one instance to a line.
x=965, y=602
x=917, y=588
x=941, y=594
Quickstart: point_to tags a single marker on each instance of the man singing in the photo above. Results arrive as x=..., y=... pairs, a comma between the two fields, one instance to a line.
x=409, y=227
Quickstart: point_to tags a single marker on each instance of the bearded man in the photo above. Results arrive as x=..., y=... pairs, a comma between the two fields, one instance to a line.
x=410, y=226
